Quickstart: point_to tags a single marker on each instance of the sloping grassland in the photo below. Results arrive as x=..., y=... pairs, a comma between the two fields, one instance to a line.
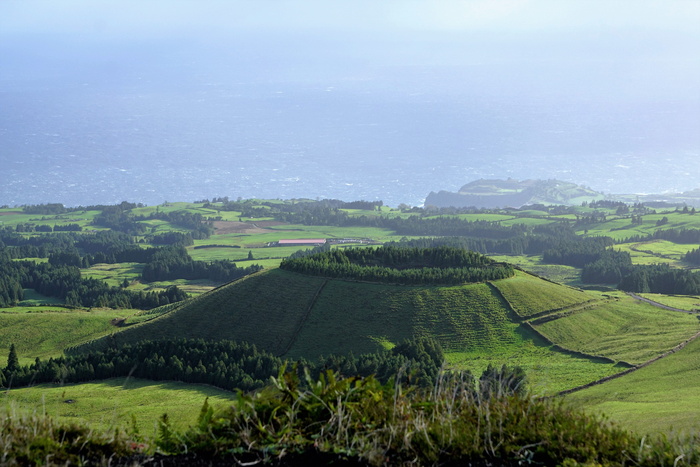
x=622, y=329
x=665, y=392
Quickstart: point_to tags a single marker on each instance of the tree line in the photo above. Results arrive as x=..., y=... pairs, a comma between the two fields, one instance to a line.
x=390, y=264
x=225, y=364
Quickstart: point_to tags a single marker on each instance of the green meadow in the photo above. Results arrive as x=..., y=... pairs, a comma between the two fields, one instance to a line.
x=682, y=302
x=560, y=273
x=529, y=295
x=662, y=397
x=623, y=330
x=45, y=331
x=120, y=402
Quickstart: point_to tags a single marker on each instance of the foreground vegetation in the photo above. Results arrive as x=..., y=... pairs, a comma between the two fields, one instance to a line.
x=331, y=420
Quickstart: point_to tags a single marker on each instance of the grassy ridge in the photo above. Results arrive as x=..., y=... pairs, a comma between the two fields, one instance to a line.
x=624, y=329
x=661, y=397
x=358, y=317
x=263, y=309
x=530, y=295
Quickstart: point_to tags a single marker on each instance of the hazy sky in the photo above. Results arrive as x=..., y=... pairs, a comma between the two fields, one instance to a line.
x=175, y=16
x=445, y=87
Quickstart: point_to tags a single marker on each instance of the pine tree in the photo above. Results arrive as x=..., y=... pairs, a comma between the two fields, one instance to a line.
x=12, y=360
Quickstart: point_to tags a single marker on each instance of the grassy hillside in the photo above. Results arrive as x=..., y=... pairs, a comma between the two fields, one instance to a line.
x=663, y=396
x=357, y=317
x=45, y=331
x=530, y=295
x=295, y=315
x=112, y=403
x=264, y=309
x=622, y=329
x=298, y=315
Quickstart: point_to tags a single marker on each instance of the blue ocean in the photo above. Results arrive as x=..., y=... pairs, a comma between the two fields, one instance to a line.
x=168, y=124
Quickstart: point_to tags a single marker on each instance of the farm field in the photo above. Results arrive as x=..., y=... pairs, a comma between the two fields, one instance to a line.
x=46, y=331
x=114, y=274
x=657, y=251
x=661, y=397
x=117, y=402
x=682, y=302
x=350, y=316
x=560, y=273
x=548, y=371
x=33, y=298
x=623, y=329
x=529, y=295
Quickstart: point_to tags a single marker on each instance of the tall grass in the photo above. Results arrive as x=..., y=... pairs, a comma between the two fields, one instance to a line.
x=360, y=420
x=35, y=439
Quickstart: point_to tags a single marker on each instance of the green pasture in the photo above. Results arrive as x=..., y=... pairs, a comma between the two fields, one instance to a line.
x=12, y=217
x=118, y=402
x=172, y=207
x=241, y=254
x=656, y=252
x=191, y=286
x=530, y=295
x=529, y=221
x=682, y=302
x=366, y=213
x=478, y=217
x=215, y=253
x=317, y=231
x=555, y=272
x=266, y=263
x=312, y=316
x=226, y=215
x=33, y=298
x=566, y=217
x=35, y=260
x=227, y=239
x=548, y=371
x=660, y=398
x=46, y=331
x=113, y=274
x=621, y=228
x=623, y=329
x=664, y=249
x=531, y=213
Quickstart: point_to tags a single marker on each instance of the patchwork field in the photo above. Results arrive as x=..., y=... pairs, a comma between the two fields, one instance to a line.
x=623, y=330
x=662, y=397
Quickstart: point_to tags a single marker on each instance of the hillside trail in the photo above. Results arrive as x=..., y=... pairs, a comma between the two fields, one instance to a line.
x=660, y=305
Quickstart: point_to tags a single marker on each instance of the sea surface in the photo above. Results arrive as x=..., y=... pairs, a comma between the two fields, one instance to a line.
x=83, y=131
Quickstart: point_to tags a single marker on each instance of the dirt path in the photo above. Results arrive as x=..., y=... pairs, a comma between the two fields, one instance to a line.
x=659, y=305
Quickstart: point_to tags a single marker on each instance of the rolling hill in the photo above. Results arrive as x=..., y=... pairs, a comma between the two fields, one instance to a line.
x=294, y=315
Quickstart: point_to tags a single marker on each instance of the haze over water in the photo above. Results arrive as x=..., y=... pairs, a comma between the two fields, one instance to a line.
x=108, y=101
